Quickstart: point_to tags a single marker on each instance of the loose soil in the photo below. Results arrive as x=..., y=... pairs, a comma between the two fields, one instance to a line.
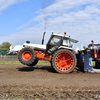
x=43, y=83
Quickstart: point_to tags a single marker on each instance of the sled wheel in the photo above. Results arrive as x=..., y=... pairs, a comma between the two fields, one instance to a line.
x=34, y=63
x=27, y=56
x=63, y=61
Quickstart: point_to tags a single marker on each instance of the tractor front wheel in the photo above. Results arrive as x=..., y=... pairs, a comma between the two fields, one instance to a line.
x=27, y=56
x=34, y=63
x=63, y=61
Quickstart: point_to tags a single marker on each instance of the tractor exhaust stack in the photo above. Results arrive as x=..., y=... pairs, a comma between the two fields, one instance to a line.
x=43, y=38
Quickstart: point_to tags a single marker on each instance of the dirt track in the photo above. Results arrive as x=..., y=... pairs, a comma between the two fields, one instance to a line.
x=20, y=81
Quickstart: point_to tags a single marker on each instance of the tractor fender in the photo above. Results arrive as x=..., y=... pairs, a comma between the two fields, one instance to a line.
x=65, y=47
x=68, y=48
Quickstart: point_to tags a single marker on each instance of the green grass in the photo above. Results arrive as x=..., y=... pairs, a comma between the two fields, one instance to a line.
x=10, y=62
x=17, y=62
x=41, y=62
x=93, y=63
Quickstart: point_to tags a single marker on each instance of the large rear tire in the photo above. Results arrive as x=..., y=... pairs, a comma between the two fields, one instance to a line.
x=27, y=56
x=63, y=61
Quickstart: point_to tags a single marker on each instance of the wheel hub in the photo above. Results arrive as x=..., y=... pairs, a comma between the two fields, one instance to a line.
x=64, y=61
x=26, y=55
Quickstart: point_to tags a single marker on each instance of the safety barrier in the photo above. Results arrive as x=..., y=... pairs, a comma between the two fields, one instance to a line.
x=8, y=56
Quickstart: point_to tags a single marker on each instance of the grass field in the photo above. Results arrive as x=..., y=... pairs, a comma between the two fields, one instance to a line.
x=17, y=62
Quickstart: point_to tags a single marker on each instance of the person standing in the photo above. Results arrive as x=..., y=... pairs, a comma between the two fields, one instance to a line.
x=87, y=51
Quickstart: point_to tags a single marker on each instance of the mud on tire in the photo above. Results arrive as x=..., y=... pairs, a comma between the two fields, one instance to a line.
x=63, y=61
x=27, y=56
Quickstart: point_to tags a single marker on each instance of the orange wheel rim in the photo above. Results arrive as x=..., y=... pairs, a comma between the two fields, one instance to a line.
x=64, y=61
x=26, y=55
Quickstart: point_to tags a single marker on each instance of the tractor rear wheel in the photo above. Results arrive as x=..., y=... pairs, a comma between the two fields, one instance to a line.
x=27, y=56
x=63, y=61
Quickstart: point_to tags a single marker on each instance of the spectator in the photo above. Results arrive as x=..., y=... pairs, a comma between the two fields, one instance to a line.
x=87, y=51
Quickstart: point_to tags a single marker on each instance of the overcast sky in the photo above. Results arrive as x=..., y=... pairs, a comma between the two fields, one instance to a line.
x=22, y=20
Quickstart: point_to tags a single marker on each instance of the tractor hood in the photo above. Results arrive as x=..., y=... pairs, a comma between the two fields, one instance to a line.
x=35, y=46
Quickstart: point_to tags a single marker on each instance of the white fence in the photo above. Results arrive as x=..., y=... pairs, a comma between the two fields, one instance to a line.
x=8, y=56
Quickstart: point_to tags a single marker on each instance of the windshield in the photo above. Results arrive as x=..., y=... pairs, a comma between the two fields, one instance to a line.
x=95, y=46
x=67, y=42
x=56, y=40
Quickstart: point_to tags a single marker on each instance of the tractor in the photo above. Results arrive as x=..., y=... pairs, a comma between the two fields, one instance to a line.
x=58, y=51
x=95, y=50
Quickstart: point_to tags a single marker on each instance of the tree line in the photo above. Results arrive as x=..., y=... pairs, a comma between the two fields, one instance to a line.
x=5, y=45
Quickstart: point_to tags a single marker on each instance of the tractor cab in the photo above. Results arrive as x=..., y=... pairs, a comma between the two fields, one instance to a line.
x=57, y=41
x=95, y=49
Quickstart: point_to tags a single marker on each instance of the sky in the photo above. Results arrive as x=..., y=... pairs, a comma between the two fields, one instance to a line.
x=22, y=20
